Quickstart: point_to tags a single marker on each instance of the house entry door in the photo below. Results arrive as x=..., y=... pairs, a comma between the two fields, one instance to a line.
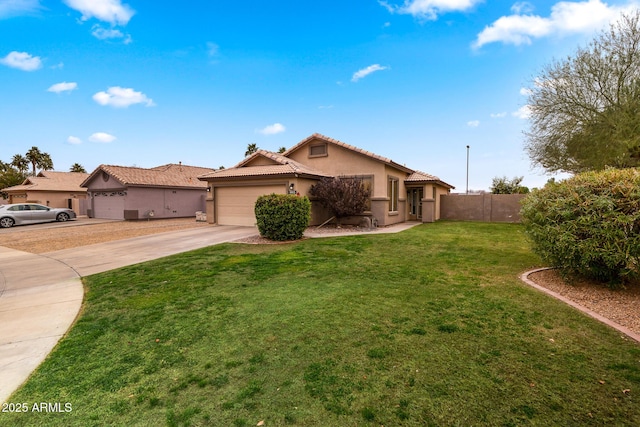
x=414, y=197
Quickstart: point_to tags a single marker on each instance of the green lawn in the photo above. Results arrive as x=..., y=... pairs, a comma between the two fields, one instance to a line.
x=426, y=327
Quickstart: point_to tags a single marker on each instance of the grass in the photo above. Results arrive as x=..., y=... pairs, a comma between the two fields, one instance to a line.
x=427, y=327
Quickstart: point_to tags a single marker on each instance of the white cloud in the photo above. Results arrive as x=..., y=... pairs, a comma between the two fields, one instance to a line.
x=102, y=137
x=11, y=8
x=212, y=49
x=473, y=123
x=63, y=87
x=522, y=7
x=525, y=91
x=120, y=97
x=22, y=61
x=523, y=112
x=565, y=18
x=498, y=115
x=430, y=9
x=366, y=71
x=272, y=129
x=74, y=140
x=111, y=33
x=111, y=11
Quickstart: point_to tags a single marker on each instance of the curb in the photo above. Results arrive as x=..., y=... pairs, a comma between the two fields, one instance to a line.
x=525, y=278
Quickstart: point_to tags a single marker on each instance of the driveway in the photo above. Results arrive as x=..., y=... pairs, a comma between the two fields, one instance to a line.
x=41, y=295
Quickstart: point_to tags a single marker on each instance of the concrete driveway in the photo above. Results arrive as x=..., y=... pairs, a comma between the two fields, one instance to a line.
x=41, y=295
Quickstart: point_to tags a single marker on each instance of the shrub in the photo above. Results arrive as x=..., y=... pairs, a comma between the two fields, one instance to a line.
x=589, y=224
x=282, y=216
x=342, y=196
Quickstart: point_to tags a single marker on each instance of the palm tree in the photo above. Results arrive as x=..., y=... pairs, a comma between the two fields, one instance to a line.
x=251, y=148
x=38, y=159
x=20, y=162
x=77, y=167
x=45, y=162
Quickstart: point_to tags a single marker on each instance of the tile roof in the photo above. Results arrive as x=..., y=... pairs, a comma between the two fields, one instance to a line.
x=52, y=181
x=418, y=176
x=170, y=175
x=284, y=166
x=348, y=147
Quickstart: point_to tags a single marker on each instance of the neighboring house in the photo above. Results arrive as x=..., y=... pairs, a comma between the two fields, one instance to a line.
x=398, y=193
x=168, y=191
x=55, y=189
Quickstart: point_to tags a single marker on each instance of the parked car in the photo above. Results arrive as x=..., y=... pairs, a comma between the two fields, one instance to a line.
x=31, y=213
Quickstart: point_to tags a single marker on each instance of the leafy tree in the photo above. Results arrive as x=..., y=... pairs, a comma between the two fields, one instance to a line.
x=251, y=148
x=585, y=108
x=77, y=167
x=505, y=185
x=342, y=196
x=38, y=159
x=282, y=150
x=10, y=176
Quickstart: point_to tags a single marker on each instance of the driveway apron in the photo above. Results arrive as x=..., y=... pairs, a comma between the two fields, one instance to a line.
x=41, y=295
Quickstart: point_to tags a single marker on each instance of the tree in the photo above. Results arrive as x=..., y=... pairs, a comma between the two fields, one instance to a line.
x=342, y=196
x=10, y=176
x=506, y=186
x=20, y=163
x=282, y=150
x=38, y=159
x=585, y=109
x=251, y=148
x=77, y=167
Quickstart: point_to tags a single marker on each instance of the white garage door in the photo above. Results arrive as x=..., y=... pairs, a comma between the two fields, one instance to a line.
x=108, y=205
x=235, y=205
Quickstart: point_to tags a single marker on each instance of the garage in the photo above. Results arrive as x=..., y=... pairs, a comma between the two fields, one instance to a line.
x=109, y=205
x=235, y=205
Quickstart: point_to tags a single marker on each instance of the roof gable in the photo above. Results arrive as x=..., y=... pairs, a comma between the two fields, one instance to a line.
x=255, y=166
x=52, y=181
x=354, y=149
x=170, y=175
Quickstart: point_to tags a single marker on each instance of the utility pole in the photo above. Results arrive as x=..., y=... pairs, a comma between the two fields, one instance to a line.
x=467, y=169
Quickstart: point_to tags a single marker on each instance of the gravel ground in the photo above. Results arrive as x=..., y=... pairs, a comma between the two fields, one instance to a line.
x=44, y=240
x=620, y=306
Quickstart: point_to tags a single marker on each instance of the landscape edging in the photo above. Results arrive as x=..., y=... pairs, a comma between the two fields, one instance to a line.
x=525, y=278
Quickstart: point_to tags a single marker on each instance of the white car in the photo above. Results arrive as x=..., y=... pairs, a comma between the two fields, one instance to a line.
x=31, y=213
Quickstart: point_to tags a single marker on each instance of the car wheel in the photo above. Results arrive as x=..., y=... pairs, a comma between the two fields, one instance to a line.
x=6, y=222
x=62, y=217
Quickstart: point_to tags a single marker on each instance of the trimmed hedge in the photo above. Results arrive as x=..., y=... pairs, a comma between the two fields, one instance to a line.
x=589, y=224
x=282, y=216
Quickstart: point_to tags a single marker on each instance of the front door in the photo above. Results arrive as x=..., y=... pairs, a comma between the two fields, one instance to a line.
x=414, y=199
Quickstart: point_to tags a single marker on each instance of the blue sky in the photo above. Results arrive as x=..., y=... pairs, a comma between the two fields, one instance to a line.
x=145, y=83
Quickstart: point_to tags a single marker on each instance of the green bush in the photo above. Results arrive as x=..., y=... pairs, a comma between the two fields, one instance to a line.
x=282, y=216
x=589, y=224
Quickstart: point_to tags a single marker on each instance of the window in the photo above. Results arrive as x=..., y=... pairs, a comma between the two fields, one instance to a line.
x=393, y=186
x=318, y=150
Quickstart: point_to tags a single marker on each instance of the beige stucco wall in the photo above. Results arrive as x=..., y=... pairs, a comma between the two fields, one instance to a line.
x=54, y=199
x=340, y=161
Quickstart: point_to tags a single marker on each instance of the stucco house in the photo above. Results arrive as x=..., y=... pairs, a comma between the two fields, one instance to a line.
x=50, y=188
x=167, y=191
x=398, y=193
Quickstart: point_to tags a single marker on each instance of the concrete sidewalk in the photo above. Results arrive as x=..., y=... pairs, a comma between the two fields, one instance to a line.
x=41, y=295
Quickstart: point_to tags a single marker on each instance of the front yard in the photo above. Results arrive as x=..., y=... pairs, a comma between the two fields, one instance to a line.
x=426, y=327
